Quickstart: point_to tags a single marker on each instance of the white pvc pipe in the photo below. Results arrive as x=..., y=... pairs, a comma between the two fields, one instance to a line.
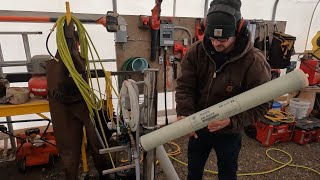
x=166, y=164
x=290, y=82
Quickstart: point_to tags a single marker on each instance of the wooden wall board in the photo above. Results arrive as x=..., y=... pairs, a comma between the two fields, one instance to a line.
x=139, y=45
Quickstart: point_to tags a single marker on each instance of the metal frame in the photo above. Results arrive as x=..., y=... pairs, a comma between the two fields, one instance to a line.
x=150, y=120
x=24, y=62
x=1, y=60
x=205, y=8
x=151, y=103
x=274, y=11
x=28, y=56
x=149, y=124
x=150, y=116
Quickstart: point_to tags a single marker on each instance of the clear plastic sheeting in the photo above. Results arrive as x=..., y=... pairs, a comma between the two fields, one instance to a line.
x=143, y=7
x=297, y=13
x=77, y=6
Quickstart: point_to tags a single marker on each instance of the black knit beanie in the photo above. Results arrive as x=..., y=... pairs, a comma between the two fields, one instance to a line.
x=222, y=18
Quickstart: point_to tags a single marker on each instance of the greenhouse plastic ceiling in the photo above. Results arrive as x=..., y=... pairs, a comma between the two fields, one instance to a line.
x=297, y=13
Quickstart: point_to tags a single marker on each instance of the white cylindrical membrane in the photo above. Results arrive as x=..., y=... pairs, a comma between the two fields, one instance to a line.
x=166, y=164
x=290, y=82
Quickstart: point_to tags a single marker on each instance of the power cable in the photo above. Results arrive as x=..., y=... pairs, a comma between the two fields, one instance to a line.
x=282, y=164
x=165, y=84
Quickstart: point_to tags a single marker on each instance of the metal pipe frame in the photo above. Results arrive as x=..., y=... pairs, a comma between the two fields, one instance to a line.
x=26, y=46
x=149, y=123
x=8, y=118
x=1, y=60
x=24, y=62
x=28, y=57
x=274, y=11
x=20, y=32
x=205, y=8
x=174, y=7
x=114, y=6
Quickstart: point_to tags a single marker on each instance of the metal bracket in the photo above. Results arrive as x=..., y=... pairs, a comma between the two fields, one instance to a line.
x=114, y=149
x=118, y=169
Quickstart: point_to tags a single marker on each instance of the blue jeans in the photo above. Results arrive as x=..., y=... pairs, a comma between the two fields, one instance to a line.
x=227, y=148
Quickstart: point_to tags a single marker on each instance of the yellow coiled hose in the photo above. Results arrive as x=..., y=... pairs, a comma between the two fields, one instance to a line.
x=93, y=101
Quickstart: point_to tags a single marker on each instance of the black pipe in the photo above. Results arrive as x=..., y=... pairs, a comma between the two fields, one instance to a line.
x=25, y=77
x=154, y=43
x=165, y=83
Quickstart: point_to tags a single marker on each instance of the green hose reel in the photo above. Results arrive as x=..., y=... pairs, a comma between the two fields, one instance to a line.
x=135, y=64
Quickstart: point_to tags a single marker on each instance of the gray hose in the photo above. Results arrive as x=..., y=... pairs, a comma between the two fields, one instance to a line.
x=188, y=31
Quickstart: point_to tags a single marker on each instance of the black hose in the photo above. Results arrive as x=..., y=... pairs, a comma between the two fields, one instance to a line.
x=30, y=120
x=47, y=40
x=165, y=83
x=47, y=141
x=22, y=140
x=313, y=55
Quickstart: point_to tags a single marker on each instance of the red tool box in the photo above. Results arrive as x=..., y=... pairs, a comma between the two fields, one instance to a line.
x=307, y=130
x=269, y=132
x=310, y=67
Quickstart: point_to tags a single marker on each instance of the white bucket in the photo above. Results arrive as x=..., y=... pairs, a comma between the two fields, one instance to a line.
x=298, y=107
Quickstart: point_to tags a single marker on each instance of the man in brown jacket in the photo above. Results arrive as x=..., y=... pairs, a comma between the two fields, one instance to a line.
x=221, y=66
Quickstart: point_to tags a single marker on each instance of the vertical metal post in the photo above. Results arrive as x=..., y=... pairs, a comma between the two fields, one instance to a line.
x=1, y=60
x=26, y=46
x=150, y=98
x=274, y=11
x=150, y=119
x=114, y=6
x=205, y=8
x=173, y=100
x=174, y=7
x=9, y=120
x=10, y=128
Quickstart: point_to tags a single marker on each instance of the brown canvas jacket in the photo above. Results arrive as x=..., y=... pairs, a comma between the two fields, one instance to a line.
x=201, y=85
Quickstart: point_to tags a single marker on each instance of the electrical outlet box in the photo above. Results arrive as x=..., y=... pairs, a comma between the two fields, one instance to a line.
x=160, y=59
x=166, y=35
x=121, y=35
x=185, y=41
x=171, y=59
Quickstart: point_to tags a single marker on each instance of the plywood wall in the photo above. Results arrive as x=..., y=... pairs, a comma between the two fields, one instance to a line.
x=139, y=45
